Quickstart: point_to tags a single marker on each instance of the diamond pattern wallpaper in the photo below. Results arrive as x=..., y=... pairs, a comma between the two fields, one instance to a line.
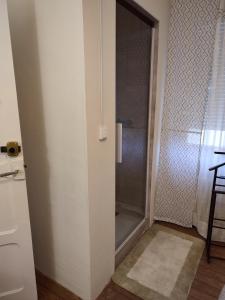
x=190, y=51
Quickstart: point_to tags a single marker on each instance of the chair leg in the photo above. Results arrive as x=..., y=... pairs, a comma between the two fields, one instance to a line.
x=210, y=225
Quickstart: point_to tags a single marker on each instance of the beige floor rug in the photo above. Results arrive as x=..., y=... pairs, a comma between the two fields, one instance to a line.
x=162, y=265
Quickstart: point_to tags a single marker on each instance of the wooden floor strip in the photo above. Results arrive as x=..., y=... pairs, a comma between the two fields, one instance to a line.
x=50, y=290
x=208, y=283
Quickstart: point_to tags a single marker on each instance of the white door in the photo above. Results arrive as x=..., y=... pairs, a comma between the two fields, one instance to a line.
x=17, y=277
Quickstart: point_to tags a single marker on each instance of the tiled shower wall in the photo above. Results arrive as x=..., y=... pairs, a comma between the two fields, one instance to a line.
x=132, y=90
x=190, y=50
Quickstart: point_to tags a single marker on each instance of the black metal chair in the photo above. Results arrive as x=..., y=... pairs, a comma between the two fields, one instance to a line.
x=216, y=190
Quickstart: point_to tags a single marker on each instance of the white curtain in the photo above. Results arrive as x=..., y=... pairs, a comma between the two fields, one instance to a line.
x=213, y=135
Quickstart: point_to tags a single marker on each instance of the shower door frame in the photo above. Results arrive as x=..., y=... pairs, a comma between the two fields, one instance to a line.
x=147, y=221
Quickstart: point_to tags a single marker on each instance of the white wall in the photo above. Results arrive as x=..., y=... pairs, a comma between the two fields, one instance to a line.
x=48, y=47
x=101, y=155
x=72, y=192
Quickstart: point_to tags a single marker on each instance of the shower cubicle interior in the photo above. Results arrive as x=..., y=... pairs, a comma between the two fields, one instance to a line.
x=133, y=57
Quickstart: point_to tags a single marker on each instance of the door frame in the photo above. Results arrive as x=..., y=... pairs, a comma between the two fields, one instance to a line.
x=146, y=223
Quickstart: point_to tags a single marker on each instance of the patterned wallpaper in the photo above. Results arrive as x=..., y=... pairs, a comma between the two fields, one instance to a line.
x=190, y=51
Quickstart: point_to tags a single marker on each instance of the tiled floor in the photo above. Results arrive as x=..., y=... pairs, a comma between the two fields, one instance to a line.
x=126, y=222
x=207, y=285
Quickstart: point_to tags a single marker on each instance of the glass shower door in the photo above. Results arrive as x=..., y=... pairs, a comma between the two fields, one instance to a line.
x=132, y=108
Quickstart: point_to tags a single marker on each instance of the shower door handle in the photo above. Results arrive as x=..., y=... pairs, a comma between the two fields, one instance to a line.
x=119, y=144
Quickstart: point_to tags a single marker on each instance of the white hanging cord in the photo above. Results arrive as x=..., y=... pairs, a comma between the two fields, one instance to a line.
x=102, y=127
x=101, y=65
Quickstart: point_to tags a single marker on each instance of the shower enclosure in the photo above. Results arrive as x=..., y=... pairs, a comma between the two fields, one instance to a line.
x=133, y=58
